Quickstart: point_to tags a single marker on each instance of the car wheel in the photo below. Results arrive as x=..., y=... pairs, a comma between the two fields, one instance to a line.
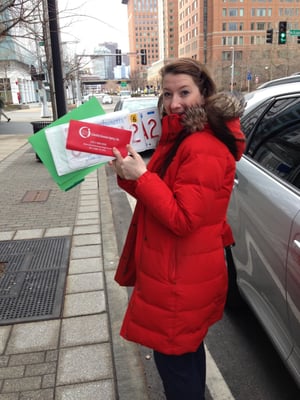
x=234, y=299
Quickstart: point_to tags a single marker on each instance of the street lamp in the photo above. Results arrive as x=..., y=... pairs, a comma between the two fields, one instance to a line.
x=45, y=112
x=232, y=69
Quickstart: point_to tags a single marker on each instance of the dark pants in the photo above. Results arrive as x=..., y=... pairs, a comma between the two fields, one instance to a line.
x=183, y=376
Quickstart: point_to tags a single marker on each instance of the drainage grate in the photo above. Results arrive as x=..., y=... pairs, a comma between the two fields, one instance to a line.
x=32, y=278
x=35, y=195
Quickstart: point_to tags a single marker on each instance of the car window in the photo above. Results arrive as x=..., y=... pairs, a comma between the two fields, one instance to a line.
x=280, y=81
x=248, y=123
x=275, y=144
x=118, y=106
x=133, y=106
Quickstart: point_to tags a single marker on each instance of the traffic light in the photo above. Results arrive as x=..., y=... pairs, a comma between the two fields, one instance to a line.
x=118, y=57
x=282, y=32
x=143, y=56
x=269, y=38
x=298, y=39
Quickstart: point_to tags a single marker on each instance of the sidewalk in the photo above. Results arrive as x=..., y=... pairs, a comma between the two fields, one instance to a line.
x=80, y=354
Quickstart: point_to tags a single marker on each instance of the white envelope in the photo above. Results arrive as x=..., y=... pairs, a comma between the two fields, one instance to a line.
x=67, y=161
x=145, y=125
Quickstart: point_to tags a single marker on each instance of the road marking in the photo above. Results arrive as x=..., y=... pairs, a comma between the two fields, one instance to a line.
x=215, y=382
x=131, y=201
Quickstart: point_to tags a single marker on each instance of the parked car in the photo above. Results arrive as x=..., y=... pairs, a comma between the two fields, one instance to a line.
x=264, y=213
x=106, y=99
x=86, y=98
x=125, y=93
x=281, y=81
x=133, y=104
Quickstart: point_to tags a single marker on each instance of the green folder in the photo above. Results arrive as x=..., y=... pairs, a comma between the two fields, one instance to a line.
x=39, y=142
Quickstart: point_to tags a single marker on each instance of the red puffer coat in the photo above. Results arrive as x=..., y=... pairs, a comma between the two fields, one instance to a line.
x=174, y=253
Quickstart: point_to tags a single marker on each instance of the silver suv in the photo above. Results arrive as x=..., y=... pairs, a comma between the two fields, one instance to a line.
x=281, y=81
x=264, y=213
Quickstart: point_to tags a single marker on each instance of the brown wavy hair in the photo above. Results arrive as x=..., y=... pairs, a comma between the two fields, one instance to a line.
x=196, y=70
x=211, y=112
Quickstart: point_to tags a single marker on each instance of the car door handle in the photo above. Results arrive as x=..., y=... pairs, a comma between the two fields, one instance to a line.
x=297, y=243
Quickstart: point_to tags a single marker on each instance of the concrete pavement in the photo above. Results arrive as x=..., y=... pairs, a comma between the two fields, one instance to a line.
x=80, y=354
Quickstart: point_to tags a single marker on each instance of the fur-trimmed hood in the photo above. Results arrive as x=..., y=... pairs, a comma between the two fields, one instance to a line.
x=219, y=109
x=223, y=105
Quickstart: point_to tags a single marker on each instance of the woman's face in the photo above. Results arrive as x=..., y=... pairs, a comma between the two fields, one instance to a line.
x=180, y=92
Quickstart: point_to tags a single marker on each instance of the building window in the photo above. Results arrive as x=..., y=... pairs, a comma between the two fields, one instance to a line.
x=233, y=12
x=238, y=55
x=261, y=12
x=257, y=40
x=260, y=26
x=232, y=40
x=232, y=26
x=226, y=55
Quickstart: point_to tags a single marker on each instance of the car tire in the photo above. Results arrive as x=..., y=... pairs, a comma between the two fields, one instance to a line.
x=234, y=299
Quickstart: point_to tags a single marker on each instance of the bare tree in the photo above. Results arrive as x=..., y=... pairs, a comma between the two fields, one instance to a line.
x=28, y=19
x=20, y=14
x=137, y=81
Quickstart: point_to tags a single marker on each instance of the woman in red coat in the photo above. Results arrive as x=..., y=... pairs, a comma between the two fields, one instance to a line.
x=174, y=251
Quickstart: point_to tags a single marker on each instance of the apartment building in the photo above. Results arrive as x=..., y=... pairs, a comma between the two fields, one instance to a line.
x=143, y=27
x=229, y=36
x=232, y=34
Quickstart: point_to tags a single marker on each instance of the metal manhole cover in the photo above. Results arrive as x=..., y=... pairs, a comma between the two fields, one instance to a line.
x=35, y=195
x=32, y=278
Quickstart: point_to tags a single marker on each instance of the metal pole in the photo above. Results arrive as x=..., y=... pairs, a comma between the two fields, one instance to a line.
x=45, y=113
x=60, y=96
x=78, y=88
x=232, y=70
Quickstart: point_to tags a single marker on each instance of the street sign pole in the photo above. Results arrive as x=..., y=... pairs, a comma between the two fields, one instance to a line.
x=249, y=77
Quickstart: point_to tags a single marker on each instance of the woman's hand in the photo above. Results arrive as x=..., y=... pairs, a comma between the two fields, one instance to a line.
x=130, y=167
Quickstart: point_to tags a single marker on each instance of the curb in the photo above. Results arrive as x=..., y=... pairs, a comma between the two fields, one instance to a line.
x=130, y=376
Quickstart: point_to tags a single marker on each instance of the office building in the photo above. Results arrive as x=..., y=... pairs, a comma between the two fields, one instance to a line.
x=143, y=30
x=229, y=36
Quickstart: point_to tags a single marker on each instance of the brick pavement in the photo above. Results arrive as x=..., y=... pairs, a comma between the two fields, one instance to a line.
x=79, y=355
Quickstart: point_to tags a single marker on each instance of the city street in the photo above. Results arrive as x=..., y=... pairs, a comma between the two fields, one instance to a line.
x=241, y=362
x=212, y=89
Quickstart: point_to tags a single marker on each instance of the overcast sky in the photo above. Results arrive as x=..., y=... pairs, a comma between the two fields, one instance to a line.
x=92, y=22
